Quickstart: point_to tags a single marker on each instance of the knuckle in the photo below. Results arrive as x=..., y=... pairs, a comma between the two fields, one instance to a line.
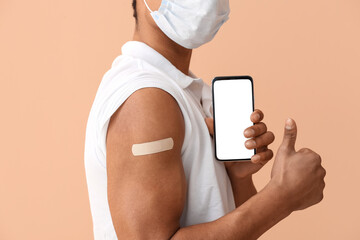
x=316, y=155
x=260, y=128
x=323, y=184
x=266, y=139
x=267, y=136
x=258, y=142
x=304, y=150
x=263, y=126
x=262, y=163
x=321, y=197
x=317, y=160
x=264, y=159
x=323, y=173
x=291, y=136
x=270, y=153
x=272, y=136
x=309, y=150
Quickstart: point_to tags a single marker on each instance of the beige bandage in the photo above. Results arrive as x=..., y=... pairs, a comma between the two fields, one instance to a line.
x=152, y=147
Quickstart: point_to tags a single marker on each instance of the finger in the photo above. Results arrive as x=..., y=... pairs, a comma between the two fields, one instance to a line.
x=306, y=150
x=290, y=132
x=257, y=116
x=210, y=125
x=263, y=157
x=263, y=140
x=256, y=130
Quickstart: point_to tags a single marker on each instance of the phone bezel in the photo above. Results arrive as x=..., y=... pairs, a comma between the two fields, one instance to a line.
x=221, y=78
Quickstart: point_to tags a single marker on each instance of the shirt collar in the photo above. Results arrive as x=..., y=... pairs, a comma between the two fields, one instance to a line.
x=145, y=52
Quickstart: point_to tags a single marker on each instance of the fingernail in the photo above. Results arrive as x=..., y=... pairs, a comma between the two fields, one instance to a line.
x=250, y=144
x=289, y=124
x=257, y=116
x=249, y=132
x=255, y=158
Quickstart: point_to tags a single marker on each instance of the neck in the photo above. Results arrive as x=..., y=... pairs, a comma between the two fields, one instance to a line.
x=178, y=56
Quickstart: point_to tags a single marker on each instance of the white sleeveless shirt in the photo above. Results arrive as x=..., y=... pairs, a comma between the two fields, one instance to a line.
x=209, y=192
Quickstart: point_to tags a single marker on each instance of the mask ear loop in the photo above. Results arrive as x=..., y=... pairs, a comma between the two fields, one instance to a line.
x=147, y=6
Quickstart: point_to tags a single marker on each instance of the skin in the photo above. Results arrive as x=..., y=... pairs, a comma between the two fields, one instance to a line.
x=240, y=173
x=148, y=32
x=147, y=194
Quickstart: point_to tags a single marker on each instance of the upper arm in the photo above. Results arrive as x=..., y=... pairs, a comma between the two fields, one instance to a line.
x=146, y=193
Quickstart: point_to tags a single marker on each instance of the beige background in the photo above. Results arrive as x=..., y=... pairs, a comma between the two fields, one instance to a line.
x=303, y=55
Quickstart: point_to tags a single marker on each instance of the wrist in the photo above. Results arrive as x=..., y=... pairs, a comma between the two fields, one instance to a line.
x=280, y=196
x=234, y=175
x=243, y=189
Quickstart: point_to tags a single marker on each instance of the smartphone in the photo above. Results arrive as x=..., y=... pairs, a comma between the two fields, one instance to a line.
x=233, y=103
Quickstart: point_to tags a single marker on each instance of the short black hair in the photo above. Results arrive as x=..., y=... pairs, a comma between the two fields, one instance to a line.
x=134, y=7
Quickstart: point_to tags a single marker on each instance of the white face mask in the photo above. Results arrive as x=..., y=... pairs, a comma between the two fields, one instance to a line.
x=191, y=23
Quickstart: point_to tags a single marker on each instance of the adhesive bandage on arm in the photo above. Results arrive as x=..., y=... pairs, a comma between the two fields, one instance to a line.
x=152, y=147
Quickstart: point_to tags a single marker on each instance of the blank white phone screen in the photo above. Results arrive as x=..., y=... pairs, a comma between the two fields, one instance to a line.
x=233, y=105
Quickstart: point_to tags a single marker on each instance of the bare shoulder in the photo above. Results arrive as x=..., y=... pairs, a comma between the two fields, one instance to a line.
x=148, y=114
x=146, y=193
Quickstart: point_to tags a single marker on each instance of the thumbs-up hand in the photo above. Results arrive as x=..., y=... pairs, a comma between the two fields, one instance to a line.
x=298, y=175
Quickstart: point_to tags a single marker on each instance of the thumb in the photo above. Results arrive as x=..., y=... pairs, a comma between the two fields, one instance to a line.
x=210, y=125
x=290, y=133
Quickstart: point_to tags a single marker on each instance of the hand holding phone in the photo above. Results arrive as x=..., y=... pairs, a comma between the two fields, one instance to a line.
x=233, y=103
x=233, y=110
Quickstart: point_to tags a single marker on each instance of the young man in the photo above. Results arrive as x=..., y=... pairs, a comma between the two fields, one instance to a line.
x=149, y=157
